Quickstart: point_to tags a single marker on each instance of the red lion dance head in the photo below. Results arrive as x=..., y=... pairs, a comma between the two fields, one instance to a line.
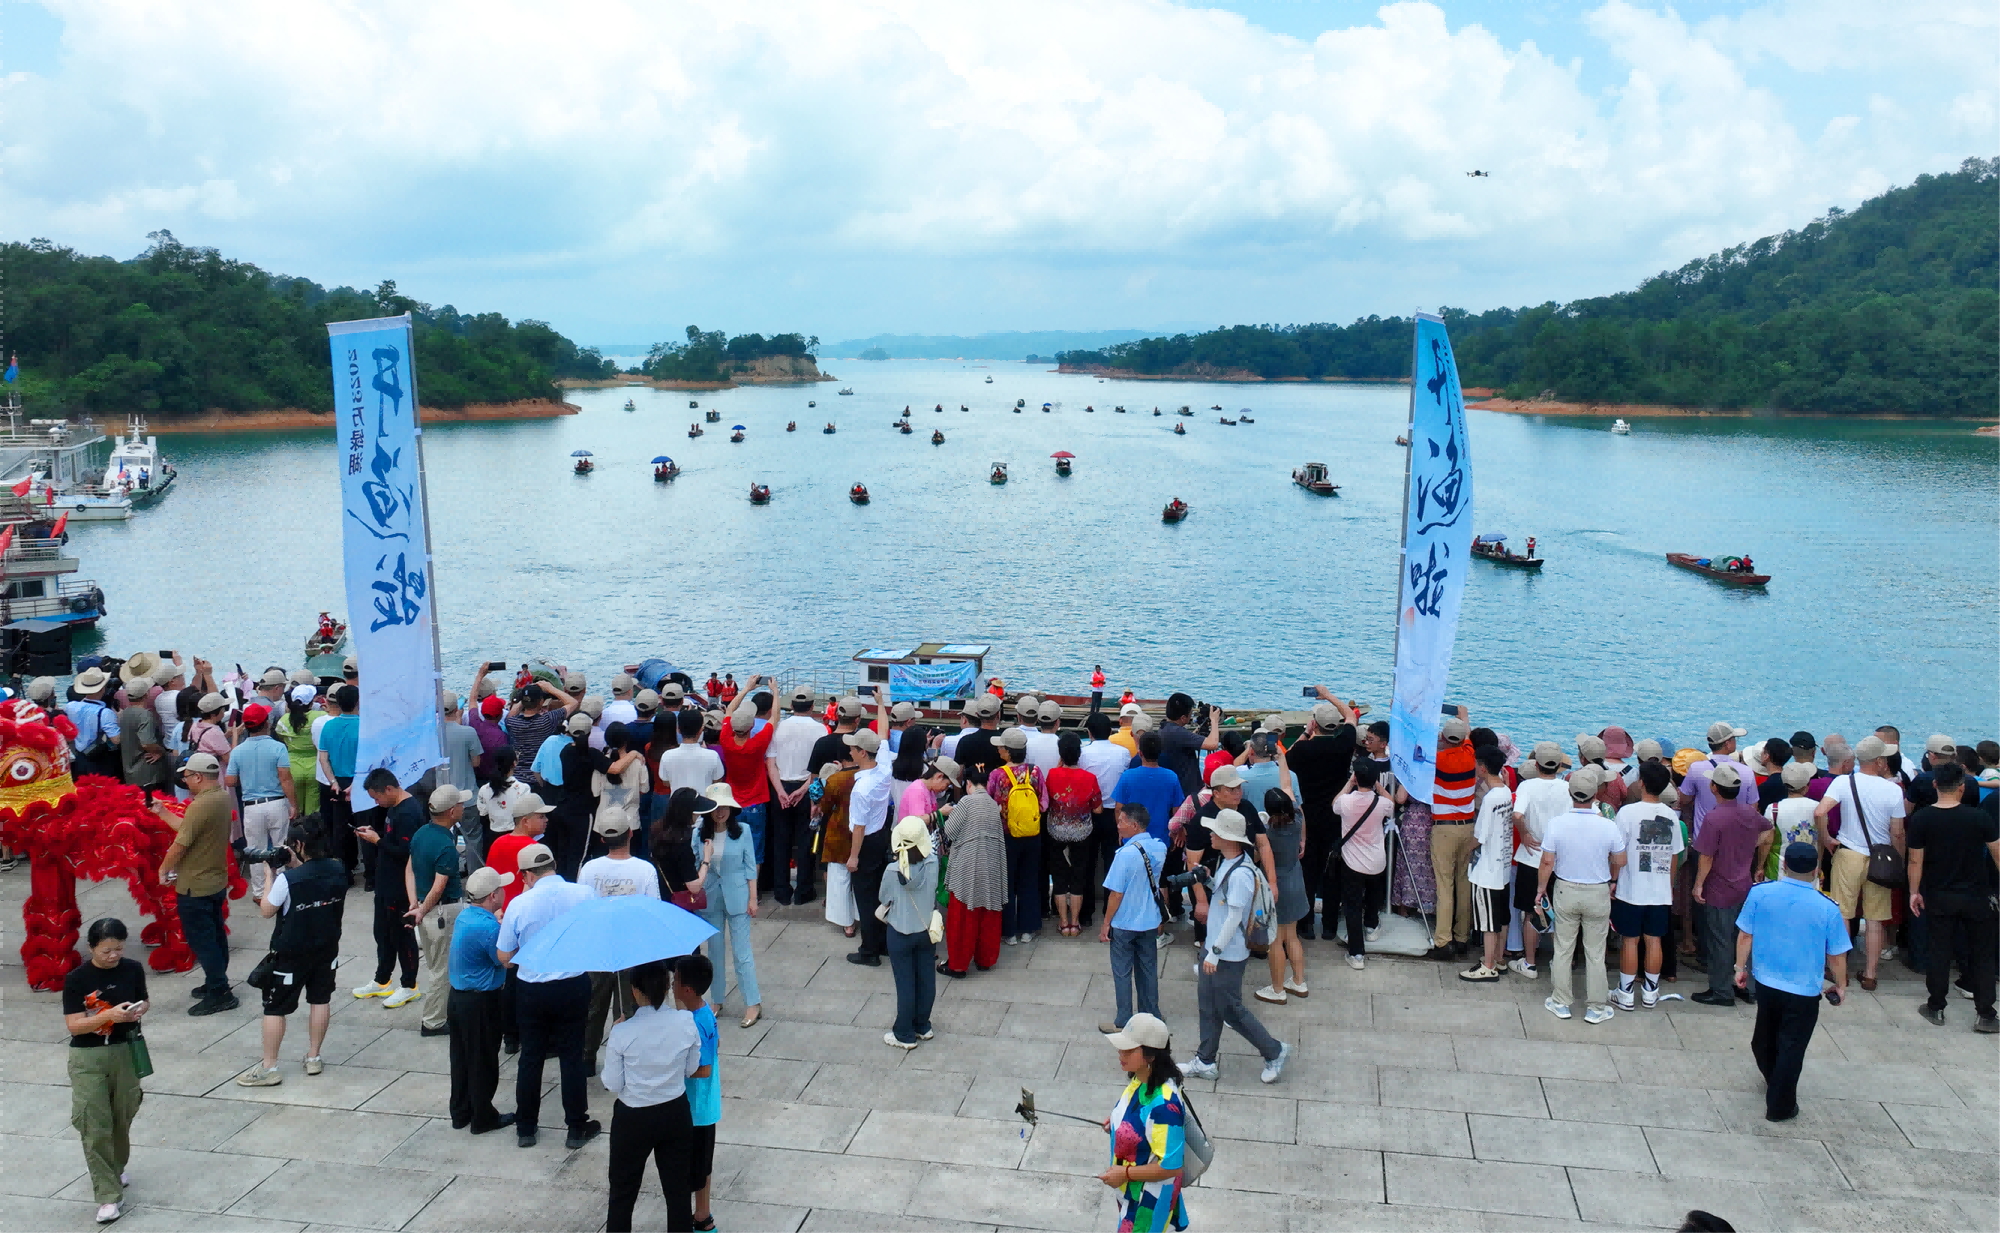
x=93, y=828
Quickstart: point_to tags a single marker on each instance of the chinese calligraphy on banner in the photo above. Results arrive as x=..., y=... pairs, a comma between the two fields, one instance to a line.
x=1437, y=544
x=916, y=682
x=386, y=546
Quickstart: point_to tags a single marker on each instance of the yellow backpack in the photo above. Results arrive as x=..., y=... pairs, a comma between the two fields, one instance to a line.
x=1024, y=804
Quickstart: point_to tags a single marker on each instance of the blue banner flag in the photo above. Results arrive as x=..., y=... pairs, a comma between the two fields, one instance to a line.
x=1437, y=544
x=14, y=369
x=386, y=542
x=915, y=682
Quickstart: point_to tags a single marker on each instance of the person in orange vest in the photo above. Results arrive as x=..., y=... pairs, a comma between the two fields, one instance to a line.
x=996, y=687
x=1096, y=689
x=1125, y=698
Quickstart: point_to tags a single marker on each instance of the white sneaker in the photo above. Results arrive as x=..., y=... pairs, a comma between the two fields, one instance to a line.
x=258, y=1076
x=1161, y=941
x=1268, y=994
x=1276, y=1066
x=1621, y=998
x=1481, y=973
x=1011, y=940
x=1195, y=1068
x=110, y=1212
x=1357, y=962
x=373, y=990
x=1521, y=967
x=889, y=1039
x=1598, y=1014
x=124, y=1179
x=1649, y=995
x=1369, y=935
x=1297, y=989
x=401, y=997
x=314, y=1065
x=1555, y=1008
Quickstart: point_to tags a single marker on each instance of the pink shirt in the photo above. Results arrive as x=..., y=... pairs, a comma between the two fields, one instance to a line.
x=1364, y=853
x=918, y=802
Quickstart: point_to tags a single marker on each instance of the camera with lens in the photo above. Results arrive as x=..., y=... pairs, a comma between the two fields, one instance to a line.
x=1182, y=881
x=276, y=858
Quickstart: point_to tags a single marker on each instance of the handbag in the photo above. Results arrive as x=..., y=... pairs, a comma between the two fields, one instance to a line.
x=695, y=900
x=142, y=1056
x=261, y=976
x=1197, y=1152
x=1885, y=864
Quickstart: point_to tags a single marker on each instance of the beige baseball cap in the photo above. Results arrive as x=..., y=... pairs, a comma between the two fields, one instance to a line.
x=1726, y=775
x=444, y=796
x=1140, y=1029
x=1869, y=748
x=1548, y=756
x=1012, y=738
x=903, y=712
x=1584, y=782
x=537, y=858
x=1721, y=732
x=646, y=700
x=850, y=707
x=1797, y=774
x=1590, y=748
x=1130, y=709
x=1454, y=730
x=867, y=740
x=483, y=881
x=202, y=764
x=1226, y=776
x=1049, y=712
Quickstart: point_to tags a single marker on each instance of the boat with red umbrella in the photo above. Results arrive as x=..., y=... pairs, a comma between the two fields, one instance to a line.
x=1062, y=458
x=1176, y=511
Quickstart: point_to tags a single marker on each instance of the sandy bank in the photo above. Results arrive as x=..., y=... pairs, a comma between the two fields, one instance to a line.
x=1233, y=376
x=290, y=419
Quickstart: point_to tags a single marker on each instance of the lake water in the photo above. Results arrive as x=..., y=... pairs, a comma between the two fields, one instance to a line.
x=1880, y=538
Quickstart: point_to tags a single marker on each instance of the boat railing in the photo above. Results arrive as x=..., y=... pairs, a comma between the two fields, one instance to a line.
x=30, y=550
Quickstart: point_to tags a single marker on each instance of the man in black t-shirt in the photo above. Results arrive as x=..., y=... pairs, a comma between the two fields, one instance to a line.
x=1323, y=759
x=1181, y=749
x=395, y=939
x=1953, y=849
x=975, y=747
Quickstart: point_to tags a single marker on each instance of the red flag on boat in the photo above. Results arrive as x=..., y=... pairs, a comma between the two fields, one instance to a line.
x=21, y=489
x=6, y=539
x=60, y=524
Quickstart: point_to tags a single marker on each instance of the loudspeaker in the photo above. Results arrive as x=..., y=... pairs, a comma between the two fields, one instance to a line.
x=37, y=648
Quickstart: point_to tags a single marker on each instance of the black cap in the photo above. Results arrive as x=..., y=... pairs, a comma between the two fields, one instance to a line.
x=1801, y=857
x=1804, y=740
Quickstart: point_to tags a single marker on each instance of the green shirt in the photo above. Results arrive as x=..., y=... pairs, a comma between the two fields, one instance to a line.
x=434, y=851
x=204, y=834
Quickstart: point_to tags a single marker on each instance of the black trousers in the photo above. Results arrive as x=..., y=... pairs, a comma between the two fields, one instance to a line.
x=510, y=1027
x=475, y=1057
x=1952, y=918
x=395, y=940
x=569, y=832
x=1361, y=897
x=371, y=817
x=338, y=815
x=551, y=1014
x=605, y=988
x=1104, y=840
x=664, y=1132
x=790, y=843
x=1322, y=833
x=868, y=891
x=1785, y=1023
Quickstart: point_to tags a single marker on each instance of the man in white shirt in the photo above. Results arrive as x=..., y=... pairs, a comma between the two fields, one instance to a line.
x=1645, y=894
x=868, y=807
x=617, y=872
x=1876, y=818
x=1582, y=851
x=1042, y=751
x=1492, y=872
x=690, y=764
x=620, y=709
x=550, y=1008
x=967, y=721
x=789, y=764
x=1541, y=797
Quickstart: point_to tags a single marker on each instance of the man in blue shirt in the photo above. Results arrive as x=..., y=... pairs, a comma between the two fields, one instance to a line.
x=96, y=725
x=260, y=770
x=1159, y=790
x=473, y=1014
x=1132, y=915
x=1789, y=935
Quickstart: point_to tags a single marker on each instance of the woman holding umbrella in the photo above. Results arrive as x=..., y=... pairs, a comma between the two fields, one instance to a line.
x=731, y=888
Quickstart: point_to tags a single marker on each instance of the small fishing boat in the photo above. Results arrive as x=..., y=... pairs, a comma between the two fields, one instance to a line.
x=1216, y=407
x=1180, y=430
x=1243, y=416
x=845, y=391
x=1223, y=419
x=939, y=408
x=693, y=405
x=1402, y=440
x=630, y=405
x=989, y=380
x=810, y=404
x=1183, y=409
x=1019, y=403
x=329, y=639
x=736, y=436
x=1088, y=408
x=937, y=436
x=1062, y=458
x=1119, y=409
x=584, y=466
x=1045, y=408
x=1156, y=410
x=665, y=469
x=828, y=430
x=1176, y=511
x=999, y=474
x=694, y=430
x=760, y=494
x=1494, y=548
x=1620, y=427
x=1313, y=478
x=905, y=429
x=712, y=416
x=963, y=407
x=858, y=494
x=791, y=425
x=1729, y=571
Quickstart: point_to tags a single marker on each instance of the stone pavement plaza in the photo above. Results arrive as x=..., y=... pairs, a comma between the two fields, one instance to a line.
x=1413, y=1101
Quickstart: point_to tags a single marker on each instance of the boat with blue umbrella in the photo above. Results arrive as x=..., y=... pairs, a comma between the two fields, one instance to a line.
x=1494, y=548
x=736, y=433
x=664, y=469
x=583, y=464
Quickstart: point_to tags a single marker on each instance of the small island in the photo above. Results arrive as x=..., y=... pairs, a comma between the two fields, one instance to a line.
x=712, y=360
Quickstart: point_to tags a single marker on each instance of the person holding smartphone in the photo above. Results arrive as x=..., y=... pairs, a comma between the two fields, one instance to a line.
x=103, y=1002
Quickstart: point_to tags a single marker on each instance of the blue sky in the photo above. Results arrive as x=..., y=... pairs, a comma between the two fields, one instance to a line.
x=846, y=168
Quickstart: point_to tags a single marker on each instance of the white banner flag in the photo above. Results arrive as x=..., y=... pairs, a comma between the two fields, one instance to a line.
x=386, y=542
x=1437, y=545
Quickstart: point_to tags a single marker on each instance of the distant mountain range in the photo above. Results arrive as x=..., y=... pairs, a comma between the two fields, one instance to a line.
x=1005, y=345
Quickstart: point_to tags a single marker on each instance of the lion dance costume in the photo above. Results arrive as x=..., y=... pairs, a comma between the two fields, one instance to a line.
x=90, y=827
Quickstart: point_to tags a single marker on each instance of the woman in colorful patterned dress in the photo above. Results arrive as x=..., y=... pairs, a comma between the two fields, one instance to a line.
x=1146, y=1130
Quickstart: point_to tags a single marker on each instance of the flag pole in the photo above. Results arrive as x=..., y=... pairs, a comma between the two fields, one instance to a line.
x=430, y=548
x=1403, y=534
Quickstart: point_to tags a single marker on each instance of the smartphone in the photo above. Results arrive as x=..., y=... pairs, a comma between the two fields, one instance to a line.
x=1309, y=691
x=864, y=689
x=1450, y=711
x=496, y=666
x=166, y=654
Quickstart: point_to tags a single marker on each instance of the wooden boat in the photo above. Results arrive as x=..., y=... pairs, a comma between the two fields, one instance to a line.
x=1216, y=407
x=1180, y=430
x=989, y=380
x=1062, y=466
x=858, y=494
x=737, y=436
x=1019, y=403
x=665, y=472
x=1088, y=408
x=760, y=494
x=1119, y=410
x=712, y=416
x=1045, y=408
x=1223, y=419
x=828, y=430
x=1156, y=410
x=999, y=475
x=810, y=404
x=791, y=425
x=846, y=391
x=1496, y=551
x=1243, y=416
x=939, y=408
x=694, y=430
x=1402, y=440
x=584, y=467
x=963, y=407
x=630, y=405
x=1183, y=409
x=327, y=641
x=1723, y=574
x=905, y=428
x=693, y=405
x=1620, y=427
x=1313, y=478
x=937, y=436
x=1176, y=511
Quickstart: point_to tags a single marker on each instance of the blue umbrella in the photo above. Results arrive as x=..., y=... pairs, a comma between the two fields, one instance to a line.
x=1492, y=539
x=736, y=428
x=579, y=453
x=611, y=934
x=662, y=458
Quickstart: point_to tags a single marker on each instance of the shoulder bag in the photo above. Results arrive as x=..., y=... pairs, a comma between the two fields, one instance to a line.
x=1338, y=848
x=142, y=1056
x=1885, y=864
x=1197, y=1152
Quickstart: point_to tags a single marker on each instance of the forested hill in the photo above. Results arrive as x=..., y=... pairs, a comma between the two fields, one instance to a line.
x=1890, y=309
x=181, y=330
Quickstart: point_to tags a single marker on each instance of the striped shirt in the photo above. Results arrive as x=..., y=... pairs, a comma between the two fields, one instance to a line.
x=1453, y=784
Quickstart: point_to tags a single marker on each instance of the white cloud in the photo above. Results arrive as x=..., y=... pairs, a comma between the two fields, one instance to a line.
x=1131, y=151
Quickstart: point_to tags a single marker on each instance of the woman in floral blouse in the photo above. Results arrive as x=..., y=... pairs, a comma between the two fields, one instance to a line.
x=1147, y=1130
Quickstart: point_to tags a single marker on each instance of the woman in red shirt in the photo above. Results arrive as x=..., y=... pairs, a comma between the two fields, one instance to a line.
x=1074, y=799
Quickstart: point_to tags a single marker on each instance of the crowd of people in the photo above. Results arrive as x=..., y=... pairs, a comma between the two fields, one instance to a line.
x=936, y=846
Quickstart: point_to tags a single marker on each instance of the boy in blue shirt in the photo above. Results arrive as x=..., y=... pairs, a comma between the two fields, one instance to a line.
x=692, y=976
